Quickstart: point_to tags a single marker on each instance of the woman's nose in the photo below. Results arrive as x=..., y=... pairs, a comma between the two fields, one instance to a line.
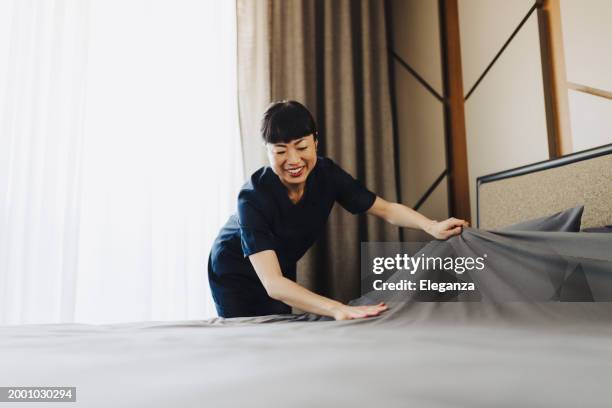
x=293, y=157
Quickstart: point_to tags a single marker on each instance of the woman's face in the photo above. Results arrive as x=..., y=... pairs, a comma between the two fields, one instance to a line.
x=293, y=161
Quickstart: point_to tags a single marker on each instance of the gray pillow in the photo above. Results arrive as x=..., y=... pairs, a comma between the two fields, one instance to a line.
x=564, y=221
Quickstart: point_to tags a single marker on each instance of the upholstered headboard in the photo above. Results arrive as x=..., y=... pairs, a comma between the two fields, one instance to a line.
x=547, y=187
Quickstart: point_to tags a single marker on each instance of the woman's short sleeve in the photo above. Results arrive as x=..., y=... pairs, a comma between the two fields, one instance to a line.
x=350, y=193
x=255, y=231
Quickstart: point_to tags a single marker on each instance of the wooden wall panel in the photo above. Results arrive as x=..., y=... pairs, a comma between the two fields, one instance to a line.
x=454, y=115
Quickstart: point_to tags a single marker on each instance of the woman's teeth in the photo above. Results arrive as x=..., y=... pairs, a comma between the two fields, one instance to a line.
x=296, y=172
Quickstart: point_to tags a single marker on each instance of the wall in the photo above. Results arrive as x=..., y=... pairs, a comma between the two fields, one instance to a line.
x=505, y=115
x=587, y=35
x=505, y=110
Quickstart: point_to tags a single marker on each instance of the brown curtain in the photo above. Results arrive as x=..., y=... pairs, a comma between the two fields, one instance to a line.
x=330, y=55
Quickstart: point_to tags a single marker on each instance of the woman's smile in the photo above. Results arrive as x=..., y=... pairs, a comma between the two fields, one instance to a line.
x=296, y=171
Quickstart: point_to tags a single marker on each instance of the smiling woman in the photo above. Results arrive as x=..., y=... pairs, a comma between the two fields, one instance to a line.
x=282, y=210
x=291, y=159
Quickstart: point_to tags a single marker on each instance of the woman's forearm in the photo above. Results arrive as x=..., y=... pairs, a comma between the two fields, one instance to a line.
x=297, y=296
x=278, y=287
x=402, y=216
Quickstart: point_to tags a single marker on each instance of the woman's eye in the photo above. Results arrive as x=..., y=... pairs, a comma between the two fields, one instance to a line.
x=302, y=148
x=280, y=152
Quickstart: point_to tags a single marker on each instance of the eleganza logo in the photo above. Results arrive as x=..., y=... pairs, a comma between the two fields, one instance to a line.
x=422, y=271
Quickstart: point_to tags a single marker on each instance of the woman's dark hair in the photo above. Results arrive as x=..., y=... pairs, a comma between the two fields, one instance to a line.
x=285, y=121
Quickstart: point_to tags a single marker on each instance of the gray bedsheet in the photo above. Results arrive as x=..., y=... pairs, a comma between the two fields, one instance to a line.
x=500, y=351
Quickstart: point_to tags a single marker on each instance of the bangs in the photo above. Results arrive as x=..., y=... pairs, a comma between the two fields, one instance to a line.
x=285, y=121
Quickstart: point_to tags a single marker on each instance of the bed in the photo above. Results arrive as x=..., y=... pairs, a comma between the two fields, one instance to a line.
x=530, y=349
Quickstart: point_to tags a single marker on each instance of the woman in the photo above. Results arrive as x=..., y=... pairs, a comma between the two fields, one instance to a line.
x=282, y=210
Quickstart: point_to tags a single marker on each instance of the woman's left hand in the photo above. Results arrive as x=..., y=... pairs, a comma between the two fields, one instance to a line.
x=447, y=228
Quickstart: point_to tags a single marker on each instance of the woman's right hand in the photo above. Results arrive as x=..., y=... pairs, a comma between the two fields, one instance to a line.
x=345, y=312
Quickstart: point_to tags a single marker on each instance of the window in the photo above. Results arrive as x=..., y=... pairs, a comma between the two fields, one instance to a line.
x=119, y=157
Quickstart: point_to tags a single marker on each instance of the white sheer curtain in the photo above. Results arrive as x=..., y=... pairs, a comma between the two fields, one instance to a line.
x=119, y=156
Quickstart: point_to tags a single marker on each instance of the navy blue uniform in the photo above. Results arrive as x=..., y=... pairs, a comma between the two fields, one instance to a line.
x=268, y=219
